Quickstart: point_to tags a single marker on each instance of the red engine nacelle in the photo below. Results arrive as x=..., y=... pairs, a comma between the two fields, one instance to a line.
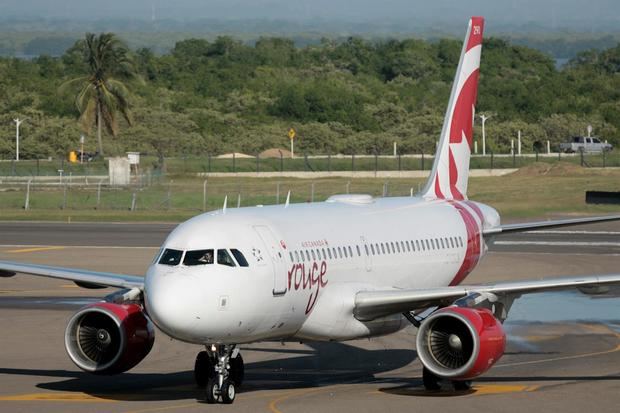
x=106, y=338
x=460, y=343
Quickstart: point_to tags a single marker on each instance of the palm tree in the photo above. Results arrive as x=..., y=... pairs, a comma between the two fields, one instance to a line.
x=102, y=94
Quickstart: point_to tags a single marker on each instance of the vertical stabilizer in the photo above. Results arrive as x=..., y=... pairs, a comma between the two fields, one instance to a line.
x=448, y=178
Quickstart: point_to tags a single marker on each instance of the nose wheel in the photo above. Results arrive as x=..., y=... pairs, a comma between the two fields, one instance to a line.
x=219, y=370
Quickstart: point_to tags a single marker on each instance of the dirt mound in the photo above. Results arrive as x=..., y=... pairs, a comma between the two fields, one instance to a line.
x=237, y=155
x=274, y=153
x=550, y=169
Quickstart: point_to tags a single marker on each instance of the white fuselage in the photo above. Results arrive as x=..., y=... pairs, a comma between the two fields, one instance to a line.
x=306, y=262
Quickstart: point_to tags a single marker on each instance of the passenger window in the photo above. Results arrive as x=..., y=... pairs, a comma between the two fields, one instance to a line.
x=296, y=256
x=382, y=248
x=442, y=245
x=366, y=249
x=372, y=249
x=308, y=255
x=291, y=254
x=171, y=257
x=359, y=253
x=398, y=247
x=324, y=255
x=303, y=259
x=224, y=258
x=345, y=252
x=428, y=245
x=393, y=248
x=408, y=246
x=350, y=251
x=340, y=252
x=313, y=256
x=329, y=252
x=241, y=258
x=417, y=244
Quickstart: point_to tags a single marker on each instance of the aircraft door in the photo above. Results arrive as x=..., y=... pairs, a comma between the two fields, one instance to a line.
x=276, y=253
x=366, y=253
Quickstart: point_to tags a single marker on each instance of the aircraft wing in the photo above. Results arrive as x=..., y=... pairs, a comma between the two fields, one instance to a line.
x=84, y=278
x=370, y=305
x=526, y=226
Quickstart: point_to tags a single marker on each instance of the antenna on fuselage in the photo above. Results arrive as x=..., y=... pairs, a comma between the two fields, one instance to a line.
x=225, y=203
x=288, y=199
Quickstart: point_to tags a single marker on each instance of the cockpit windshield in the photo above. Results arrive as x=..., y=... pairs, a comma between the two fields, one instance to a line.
x=198, y=257
x=224, y=258
x=171, y=257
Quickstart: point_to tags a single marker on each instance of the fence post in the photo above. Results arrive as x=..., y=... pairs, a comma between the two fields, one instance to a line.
x=99, y=193
x=312, y=192
x=353, y=162
x=422, y=160
x=536, y=155
x=305, y=162
x=348, y=186
x=204, y=196
x=491, y=160
x=209, y=163
x=385, y=189
x=376, y=163
x=134, y=195
x=27, y=203
x=37, y=166
x=329, y=162
x=64, y=197
x=238, y=199
x=257, y=164
x=281, y=162
x=234, y=166
x=514, y=159
x=581, y=156
x=604, y=159
x=277, y=193
x=399, y=160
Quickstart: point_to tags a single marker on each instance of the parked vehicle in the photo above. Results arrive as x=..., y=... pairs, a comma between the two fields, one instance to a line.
x=585, y=144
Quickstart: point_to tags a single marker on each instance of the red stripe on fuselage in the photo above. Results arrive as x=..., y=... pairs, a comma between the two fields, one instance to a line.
x=474, y=247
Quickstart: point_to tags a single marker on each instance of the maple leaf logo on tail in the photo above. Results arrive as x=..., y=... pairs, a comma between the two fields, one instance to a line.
x=448, y=179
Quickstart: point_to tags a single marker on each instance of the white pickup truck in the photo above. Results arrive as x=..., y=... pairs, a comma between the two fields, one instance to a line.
x=585, y=144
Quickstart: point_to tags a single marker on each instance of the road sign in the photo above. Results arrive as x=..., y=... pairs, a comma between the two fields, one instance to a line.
x=291, y=133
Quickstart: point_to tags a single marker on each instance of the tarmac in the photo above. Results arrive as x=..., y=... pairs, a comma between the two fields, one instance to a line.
x=563, y=351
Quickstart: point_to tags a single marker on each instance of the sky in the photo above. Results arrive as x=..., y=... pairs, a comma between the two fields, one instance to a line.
x=549, y=13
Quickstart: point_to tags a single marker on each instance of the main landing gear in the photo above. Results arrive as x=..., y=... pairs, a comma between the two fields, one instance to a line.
x=432, y=382
x=219, y=370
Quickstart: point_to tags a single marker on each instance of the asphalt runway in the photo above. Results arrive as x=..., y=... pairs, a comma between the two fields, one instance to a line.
x=563, y=352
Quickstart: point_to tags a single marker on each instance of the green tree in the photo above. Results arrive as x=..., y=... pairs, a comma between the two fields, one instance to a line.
x=102, y=93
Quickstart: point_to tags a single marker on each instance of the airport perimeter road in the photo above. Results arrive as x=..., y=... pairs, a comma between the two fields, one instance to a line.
x=563, y=352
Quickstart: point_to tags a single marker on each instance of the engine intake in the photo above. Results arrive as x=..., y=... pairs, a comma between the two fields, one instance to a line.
x=460, y=343
x=107, y=338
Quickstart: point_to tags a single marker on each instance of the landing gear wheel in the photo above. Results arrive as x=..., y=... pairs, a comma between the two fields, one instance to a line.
x=461, y=385
x=203, y=369
x=212, y=392
x=228, y=392
x=237, y=370
x=431, y=381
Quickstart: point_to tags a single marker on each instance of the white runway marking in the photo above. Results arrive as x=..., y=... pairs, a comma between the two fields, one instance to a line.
x=550, y=231
x=560, y=243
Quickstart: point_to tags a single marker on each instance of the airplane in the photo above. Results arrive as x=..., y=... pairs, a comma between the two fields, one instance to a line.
x=351, y=267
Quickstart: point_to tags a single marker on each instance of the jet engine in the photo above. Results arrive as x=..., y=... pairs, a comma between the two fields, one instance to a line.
x=460, y=343
x=107, y=338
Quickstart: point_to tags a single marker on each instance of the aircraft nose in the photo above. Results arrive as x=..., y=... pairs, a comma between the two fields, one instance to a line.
x=169, y=301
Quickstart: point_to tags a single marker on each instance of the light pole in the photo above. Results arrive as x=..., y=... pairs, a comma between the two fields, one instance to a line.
x=484, y=137
x=17, y=123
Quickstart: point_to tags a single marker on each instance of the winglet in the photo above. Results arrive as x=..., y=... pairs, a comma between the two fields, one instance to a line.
x=448, y=178
x=225, y=204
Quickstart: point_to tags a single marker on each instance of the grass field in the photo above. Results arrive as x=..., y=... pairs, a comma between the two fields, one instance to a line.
x=539, y=190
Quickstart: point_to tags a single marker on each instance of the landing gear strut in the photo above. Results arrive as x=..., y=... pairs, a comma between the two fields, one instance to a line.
x=219, y=370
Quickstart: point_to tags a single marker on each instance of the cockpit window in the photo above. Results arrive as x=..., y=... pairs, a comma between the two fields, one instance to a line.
x=171, y=257
x=224, y=258
x=198, y=257
x=241, y=259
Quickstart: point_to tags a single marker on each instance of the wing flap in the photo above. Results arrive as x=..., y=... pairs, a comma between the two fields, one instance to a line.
x=80, y=276
x=370, y=305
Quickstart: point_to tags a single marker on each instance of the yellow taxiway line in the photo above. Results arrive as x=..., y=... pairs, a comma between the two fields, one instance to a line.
x=55, y=397
x=35, y=249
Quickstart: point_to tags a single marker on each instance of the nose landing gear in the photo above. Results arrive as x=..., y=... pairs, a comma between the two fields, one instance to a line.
x=219, y=370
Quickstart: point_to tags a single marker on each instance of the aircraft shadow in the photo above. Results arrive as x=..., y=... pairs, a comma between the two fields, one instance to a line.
x=326, y=363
